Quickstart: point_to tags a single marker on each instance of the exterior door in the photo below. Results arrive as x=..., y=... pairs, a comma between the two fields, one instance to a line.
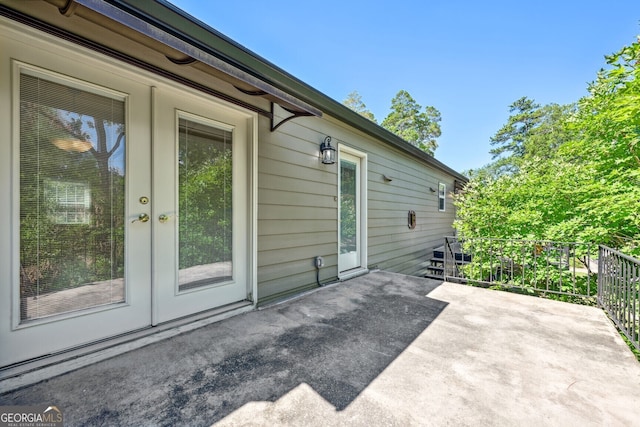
x=126, y=205
x=201, y=211
x=349, y=230
x=79, y=258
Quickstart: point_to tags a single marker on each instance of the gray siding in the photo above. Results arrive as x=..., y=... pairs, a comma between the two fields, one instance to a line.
x=297, y=206
x=297, y=210
x=392, y=245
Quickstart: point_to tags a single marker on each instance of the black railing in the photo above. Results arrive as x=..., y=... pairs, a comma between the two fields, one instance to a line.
x=619, y=291
x=539, y=266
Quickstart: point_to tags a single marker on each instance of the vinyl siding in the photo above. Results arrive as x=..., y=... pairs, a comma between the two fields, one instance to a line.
x=297, y=209
x=392, y=245
x=297, y=206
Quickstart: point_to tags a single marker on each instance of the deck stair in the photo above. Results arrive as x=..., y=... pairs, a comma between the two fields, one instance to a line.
x=436, y=267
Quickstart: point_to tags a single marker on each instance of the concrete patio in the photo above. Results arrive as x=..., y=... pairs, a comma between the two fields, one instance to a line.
x=381, y=349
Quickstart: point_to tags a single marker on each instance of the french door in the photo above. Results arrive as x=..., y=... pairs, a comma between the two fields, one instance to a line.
x=201, y=210
x=128, y=204
x=79, y=258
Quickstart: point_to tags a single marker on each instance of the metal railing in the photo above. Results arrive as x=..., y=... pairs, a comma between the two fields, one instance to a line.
x=539, y=266
x=619, y=291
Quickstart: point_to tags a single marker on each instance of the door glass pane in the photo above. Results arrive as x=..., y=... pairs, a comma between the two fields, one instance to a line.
x=348, y=207
x=72, y=189
x=205, y=204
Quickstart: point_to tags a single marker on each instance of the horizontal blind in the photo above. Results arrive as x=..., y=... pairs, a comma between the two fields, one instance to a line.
x=72, y=193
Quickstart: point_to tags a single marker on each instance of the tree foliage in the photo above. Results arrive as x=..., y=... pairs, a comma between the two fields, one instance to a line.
x=408, y=121
x=205, y=203
x=354, y=102
x=511, y=137
x=569, y=173
x=531, y=131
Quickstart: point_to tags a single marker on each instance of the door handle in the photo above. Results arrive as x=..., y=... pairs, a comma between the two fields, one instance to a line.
x=163, y=218
x=143, y=217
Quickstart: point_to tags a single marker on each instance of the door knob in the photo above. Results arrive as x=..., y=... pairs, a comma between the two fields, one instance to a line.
x=163, y=218
x=143, y=217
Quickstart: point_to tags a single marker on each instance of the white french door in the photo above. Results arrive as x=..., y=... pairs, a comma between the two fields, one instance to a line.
x=78, y=266
x=128, y=200
x=201, y=208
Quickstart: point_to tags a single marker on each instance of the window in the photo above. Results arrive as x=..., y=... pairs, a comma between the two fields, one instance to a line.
x=206, y=204
x=72, y=195
x=442, y=191
x=70, y=201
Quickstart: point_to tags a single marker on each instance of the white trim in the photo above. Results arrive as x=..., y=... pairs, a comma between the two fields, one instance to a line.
x=252, y=227
x=363, y=219
x=13, y=203
x=236, y=251
x=22, y=48
x=170, y=104
x=63, y=80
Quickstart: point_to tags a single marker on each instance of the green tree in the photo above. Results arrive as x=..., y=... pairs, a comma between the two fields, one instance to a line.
x=576, y=168
x=551, y=131
x=607, y=149
x=510, y=139
x=354, y=102
x=409, y=122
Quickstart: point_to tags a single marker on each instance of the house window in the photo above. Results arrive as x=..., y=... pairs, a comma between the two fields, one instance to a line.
x=442, y=191
x=70, y=201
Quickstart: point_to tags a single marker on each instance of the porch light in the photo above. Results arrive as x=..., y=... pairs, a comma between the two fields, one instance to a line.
x=327, y=152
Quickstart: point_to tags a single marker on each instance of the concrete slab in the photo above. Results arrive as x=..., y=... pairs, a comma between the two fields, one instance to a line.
x=381, y=349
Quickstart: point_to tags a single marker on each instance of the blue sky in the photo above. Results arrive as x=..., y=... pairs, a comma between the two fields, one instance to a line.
x=469, y=59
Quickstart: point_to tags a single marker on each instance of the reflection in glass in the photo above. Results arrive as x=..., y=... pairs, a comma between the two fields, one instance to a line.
x=348, y=214
x=205, y=205
x=72, y=145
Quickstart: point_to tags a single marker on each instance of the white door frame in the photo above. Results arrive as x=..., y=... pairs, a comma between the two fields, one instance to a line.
x=345, y=272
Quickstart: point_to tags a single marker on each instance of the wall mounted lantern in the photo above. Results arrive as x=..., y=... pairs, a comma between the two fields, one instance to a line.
x=327, y=152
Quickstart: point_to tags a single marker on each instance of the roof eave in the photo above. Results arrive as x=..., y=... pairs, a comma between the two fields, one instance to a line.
x=180, y=24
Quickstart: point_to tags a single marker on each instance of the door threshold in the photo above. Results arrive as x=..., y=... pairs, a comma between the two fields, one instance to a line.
x=354, y=272
x=40, y=369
